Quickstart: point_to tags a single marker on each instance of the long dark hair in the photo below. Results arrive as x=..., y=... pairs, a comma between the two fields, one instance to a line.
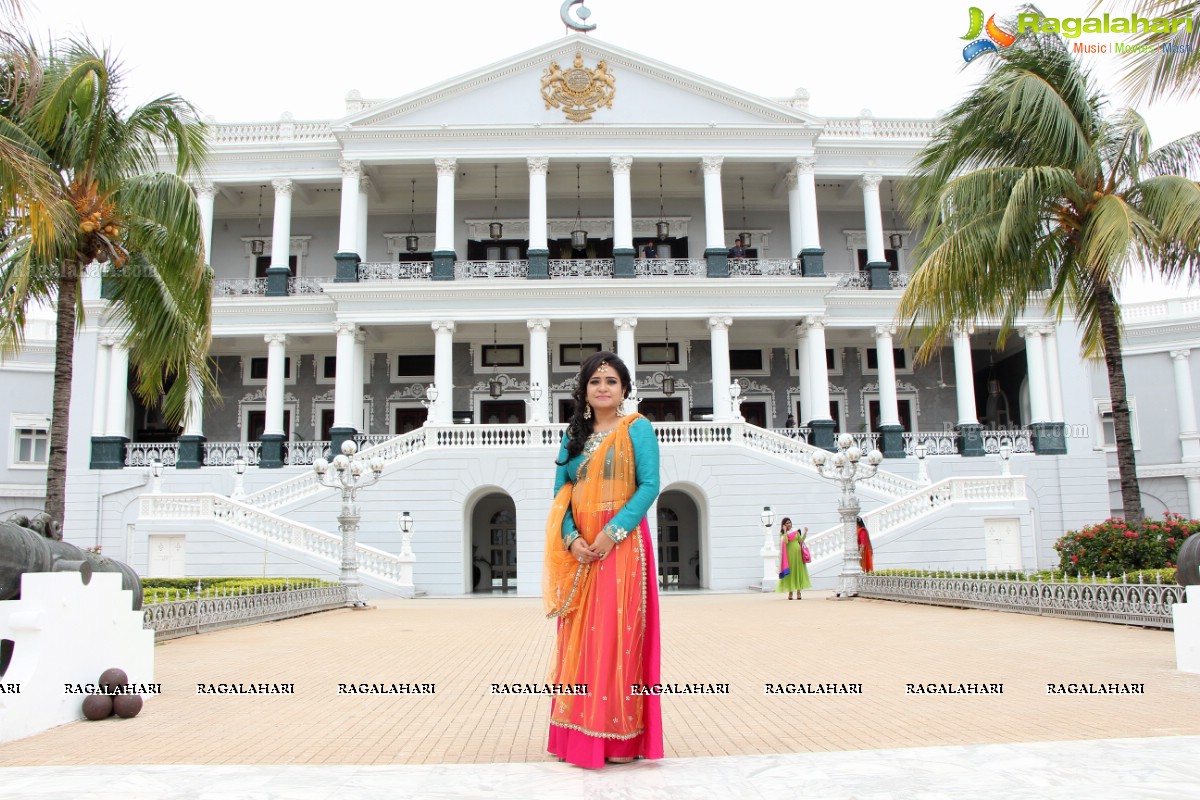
x=579, y=429
x=782, y=522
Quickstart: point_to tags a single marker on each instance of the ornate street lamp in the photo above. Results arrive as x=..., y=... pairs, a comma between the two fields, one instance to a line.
x=535, y=398
x=156, y=471
x=239, y=470
x=1005, y=455
x=406, y=558
x=349, y=474
x=769, y=552
x=431, y=396
x=846, y=467
x=922, y=469
x=735, y=399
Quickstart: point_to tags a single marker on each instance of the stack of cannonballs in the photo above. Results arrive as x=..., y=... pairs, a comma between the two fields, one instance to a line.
x=112, y=698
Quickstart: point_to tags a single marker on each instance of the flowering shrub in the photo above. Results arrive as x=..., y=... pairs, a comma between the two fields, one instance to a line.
x=1114, y=547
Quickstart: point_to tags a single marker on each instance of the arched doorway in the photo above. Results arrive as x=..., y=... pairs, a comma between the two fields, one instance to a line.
x=679, y=557
x=494, y=545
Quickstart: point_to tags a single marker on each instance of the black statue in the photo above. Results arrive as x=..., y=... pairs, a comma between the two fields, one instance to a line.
x=36, y=546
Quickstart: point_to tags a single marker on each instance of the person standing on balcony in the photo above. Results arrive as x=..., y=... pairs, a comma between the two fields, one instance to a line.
x=793, y=569
x=595, y=581
x=866, y=556
x=650, y=250
x=737, y=251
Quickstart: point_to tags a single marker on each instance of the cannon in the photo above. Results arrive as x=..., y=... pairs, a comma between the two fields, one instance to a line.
x=1187, y=569
x=24, y=548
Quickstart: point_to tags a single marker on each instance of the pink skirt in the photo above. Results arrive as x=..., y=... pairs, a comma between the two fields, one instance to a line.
x=588, y=751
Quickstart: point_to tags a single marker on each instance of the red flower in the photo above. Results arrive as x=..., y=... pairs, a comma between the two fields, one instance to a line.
x=1074, y=559
x=1171, y=540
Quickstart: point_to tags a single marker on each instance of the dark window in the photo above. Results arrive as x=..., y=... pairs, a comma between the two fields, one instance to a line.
x=572, y=355
x=888, y=255
x=746, y=359
x=263, y=263
x=658, y=353
x=258, y=368
x=903, y=411
x=830, y=359
x=329, y=368
x=414, y=366
x=503, y=355
x=899, y=358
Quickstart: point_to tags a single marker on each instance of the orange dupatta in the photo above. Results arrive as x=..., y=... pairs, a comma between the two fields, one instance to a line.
x=601, y=632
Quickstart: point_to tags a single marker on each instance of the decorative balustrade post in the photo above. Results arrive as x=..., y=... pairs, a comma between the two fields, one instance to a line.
x=406, y=558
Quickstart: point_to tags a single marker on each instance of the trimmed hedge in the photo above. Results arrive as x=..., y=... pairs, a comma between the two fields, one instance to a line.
x=162, y=590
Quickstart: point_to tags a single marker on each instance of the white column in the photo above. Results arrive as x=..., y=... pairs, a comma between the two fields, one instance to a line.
x=810, y=232
x=443, y=372
x=626, y=346
x=873, y=217
x=1053, y=376
x=356, y=387
x=100, y=401
x=795, y=214
x=818, y=370
x=805, y=375
x=364, y=189
x=276, y=353
x=1185, y=401
x=193, y=420
x=718, y=328
x=343, y=382
x=889, y=413
x=538, y=167
x=622, y=202
x=1193, y=493
x=281, y=226
x=964, y=375
x=444, y=236
x=1039, y=403
x=348, y=224
x=539, y=366
x=205, y=197
x=714, y=206
x=118, y=391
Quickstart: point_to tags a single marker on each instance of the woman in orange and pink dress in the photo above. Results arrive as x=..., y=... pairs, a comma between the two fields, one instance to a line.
x=599, y=580
x=866, y=556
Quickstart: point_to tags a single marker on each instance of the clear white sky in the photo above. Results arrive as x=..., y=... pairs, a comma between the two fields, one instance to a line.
x=251, y=60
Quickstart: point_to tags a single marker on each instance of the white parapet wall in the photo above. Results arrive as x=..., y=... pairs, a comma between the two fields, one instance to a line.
x=1187, y=631
x=61, y=635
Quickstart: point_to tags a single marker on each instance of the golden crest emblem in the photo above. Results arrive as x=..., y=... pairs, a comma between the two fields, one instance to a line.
x=578, y=91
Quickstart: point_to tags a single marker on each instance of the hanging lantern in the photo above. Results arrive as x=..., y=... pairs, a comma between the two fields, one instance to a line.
x=412, y=242
x=579, y=235
x=662, y=227
x=496, y=228
x=668, y=385
x=495, y=387
x=257, y=245
x=745, y=235
x=896, y=241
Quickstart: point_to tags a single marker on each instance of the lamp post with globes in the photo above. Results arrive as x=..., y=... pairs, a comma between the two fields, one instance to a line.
x=349, y=474
x=846, y=467
x=769, y=551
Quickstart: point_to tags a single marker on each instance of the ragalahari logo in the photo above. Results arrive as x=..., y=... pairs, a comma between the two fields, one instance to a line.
x=995, y=36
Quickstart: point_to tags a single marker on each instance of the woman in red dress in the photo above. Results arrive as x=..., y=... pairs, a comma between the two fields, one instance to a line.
x=866, y=557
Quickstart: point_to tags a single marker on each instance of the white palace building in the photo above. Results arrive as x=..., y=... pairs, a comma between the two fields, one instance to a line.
x=479, y=237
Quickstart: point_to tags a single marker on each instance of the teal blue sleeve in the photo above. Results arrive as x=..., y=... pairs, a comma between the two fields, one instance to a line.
x=645, y=454
x=563, y=474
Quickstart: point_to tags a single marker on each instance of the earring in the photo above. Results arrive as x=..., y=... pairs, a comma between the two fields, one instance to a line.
x=587, y=411
x=621, y=409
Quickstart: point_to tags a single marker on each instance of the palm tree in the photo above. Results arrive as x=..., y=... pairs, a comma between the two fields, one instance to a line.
x=1157, y=72
x=1030, y=195
x=142, y=223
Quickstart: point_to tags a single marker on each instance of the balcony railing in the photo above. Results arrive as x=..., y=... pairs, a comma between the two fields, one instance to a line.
x=402, y=271
x=143, y=454
x=239, y=288
x=670, y=267
x=466, y=270
x=764, y=267
x=308, y=284
x=581, y=267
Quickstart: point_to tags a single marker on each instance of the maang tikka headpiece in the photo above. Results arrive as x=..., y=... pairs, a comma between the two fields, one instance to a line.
x=603, y=367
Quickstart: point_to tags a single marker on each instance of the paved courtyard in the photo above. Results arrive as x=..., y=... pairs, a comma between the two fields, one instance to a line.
x=463, y=646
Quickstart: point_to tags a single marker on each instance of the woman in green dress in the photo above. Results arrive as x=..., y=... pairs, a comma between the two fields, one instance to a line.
x=793, y=572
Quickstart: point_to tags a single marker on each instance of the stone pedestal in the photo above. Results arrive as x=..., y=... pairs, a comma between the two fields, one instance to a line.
x=108, y=452
x=822, y=434
x=271, y=455
x=539, y=264
x=346, y=268
x=880, y=274
x=969, y=440
x=443, y=265
x=812, y=262
x=191, y=452
x=277, y=281
x=1187, y=631
x=1049, y=438
x=891, y=441
x=718, y=262
x=623, y=266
